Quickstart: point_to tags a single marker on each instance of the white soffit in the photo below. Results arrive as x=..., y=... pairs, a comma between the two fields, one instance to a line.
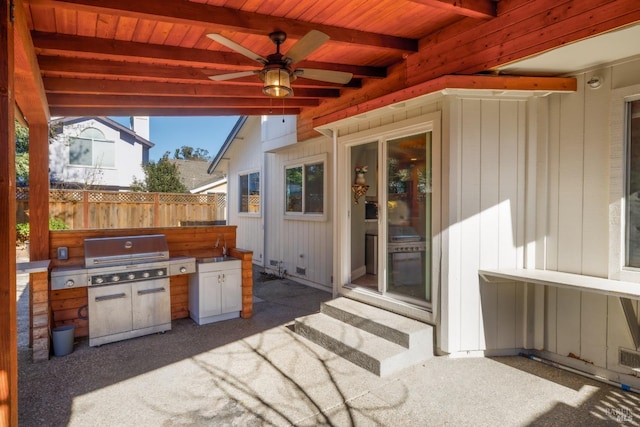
x=582, y=55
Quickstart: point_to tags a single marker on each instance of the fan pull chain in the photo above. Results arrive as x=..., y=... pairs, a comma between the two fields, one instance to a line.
x=282, y=110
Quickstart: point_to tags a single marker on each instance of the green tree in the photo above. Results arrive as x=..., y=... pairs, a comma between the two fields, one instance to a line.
x=22, y=154
x=22, y=138
x=160, y=177
x=190, y=153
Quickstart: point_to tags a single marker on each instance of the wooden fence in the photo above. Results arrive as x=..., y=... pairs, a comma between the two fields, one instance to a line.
x=86, y=209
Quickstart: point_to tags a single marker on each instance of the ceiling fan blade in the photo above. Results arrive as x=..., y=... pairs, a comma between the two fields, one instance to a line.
x=237, y=47
x=307, y=44
x=325, y=75
x=229, y=76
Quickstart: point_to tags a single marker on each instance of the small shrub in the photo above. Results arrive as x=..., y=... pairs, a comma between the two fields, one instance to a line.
x=22, y=229
x=22, y=232
x=57, y=224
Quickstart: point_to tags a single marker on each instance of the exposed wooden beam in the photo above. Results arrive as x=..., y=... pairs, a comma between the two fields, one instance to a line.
x=472, y=49
x=169, y=112
x=120, y=87
x=105, y=69
x=215, y=18
x=67, y=100
x=99, y=48
x=29, y=95
x=483, y=9
x=531, y=28
x=497, y=83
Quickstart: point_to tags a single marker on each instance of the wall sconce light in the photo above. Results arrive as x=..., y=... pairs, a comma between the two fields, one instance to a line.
x=277, y=82
x=595, y=82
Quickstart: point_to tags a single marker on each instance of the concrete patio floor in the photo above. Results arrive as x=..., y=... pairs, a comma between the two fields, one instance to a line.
x=257, y=372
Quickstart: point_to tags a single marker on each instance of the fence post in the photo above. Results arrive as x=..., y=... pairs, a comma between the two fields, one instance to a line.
x=85, y=209
x=156, y=210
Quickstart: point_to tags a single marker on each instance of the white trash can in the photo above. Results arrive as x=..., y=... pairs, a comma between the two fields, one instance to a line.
x=63, y=340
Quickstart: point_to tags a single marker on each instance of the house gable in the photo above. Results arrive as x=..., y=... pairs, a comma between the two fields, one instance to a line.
x=115, y=167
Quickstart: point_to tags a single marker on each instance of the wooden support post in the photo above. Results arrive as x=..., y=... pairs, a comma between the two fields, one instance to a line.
x=8, y=306
x=39, y=238
x=247, y=280
x=39, y=198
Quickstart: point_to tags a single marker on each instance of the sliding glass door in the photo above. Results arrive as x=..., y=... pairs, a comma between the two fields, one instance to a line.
x=408, y=217
x=391, y=223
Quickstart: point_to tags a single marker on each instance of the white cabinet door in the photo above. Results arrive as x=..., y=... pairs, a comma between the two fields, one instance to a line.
x=209, y=294
x=231, y=297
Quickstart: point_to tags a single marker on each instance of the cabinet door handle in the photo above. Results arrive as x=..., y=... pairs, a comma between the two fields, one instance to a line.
x=151, y=291
x=109, y=297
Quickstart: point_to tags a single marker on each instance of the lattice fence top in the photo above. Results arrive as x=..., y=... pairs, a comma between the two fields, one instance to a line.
x=65, y=195
x=120, y=197
x=219, y=199
x=189, y=198
x=22, y=193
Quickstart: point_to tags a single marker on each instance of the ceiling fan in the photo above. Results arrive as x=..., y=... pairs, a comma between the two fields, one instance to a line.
x=277, y=72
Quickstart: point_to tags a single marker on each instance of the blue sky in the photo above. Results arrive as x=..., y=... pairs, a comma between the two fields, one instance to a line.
x=169, y=133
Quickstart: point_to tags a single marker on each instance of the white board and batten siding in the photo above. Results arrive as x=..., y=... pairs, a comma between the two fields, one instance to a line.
x=245, y=155
x=576, y=221
x=484, y=172
x=587, y=325
x=301, y=246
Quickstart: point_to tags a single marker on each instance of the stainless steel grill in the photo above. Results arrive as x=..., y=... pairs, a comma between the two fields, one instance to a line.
x=128, y=285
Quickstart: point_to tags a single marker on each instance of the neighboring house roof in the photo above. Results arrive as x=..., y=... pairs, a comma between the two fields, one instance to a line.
x=194, y=174
x=210, y=186
x=227, y=143
x=126, y=134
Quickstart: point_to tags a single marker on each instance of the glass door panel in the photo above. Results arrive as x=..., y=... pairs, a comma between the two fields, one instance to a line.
x=408, y=217
x=365, y=266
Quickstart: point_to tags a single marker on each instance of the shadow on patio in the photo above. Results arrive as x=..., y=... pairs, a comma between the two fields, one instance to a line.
x=258, y=372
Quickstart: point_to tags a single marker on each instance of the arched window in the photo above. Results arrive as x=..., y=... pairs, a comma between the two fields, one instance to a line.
x=91, y=148
x=92, y=133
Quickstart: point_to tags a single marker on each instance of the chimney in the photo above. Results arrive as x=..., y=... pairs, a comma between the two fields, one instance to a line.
x=140, y=125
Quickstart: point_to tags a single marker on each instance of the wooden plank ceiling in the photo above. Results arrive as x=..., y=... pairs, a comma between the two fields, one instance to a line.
x=151, y=57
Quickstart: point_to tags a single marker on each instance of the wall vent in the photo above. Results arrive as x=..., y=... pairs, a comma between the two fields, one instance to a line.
x=273, y=263
x=629, y=358
x=302, y=271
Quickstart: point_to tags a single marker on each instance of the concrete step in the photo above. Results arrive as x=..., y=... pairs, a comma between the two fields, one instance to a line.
x=378, y=341
x=390, y=326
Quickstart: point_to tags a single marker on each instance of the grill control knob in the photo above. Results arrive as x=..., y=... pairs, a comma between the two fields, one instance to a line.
x=131, y=276
x=99, y=280
x=115, y=278
x=145, y=274
x=160, y=273
x=69, y=283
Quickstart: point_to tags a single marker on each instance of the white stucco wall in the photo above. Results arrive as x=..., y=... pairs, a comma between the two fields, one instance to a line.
x=128, y=159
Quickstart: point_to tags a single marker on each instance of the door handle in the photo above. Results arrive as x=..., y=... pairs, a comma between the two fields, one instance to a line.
x=110, y=297
x=151, y=291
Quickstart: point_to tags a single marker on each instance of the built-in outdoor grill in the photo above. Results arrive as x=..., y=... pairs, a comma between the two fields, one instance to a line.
x=406, y=252
x=128, y=285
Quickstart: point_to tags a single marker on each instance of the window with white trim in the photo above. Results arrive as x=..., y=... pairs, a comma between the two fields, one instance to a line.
x=305, y=183
x=632, y=183
x=249, y=188
x=91, y=148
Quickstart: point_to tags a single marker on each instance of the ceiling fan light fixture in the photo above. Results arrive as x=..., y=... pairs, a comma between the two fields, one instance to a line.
x=277, y=83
